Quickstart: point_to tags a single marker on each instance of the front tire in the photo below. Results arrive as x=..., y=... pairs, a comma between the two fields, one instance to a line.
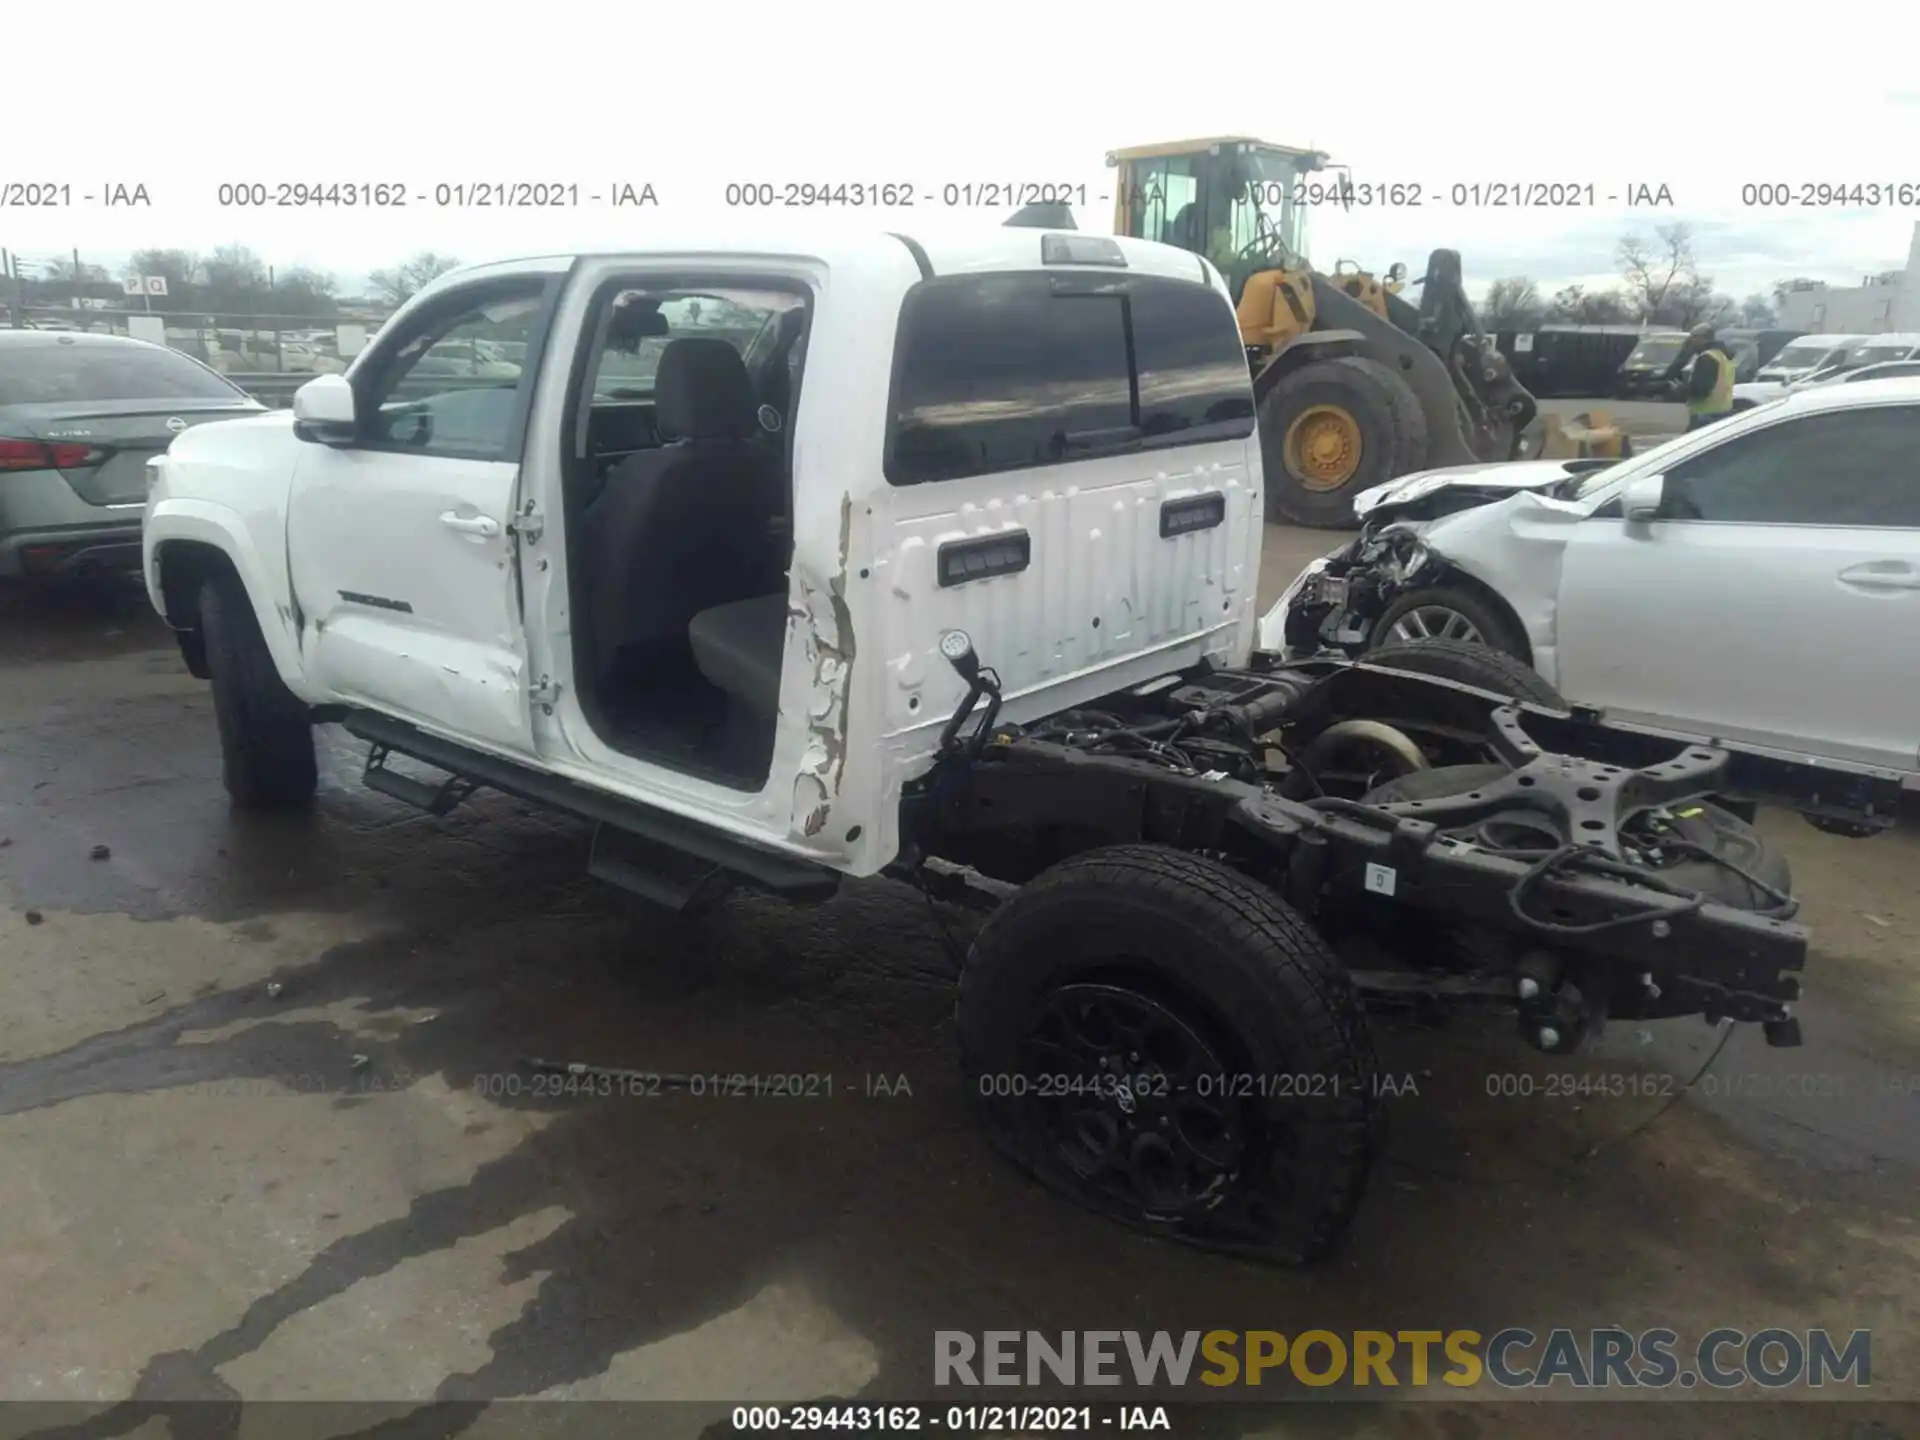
x=266, y=737
x=1163, y=1040
x=1447, y=613
x=1467, y=663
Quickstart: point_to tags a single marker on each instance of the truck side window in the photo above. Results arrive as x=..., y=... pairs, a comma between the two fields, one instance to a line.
x=1004, y=372
x=454, y=382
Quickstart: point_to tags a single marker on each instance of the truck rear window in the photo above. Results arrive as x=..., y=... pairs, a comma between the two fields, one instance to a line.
x=1002, y=372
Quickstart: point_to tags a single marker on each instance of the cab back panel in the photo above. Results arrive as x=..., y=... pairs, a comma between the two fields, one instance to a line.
x=1100, y=585
x=1072, y=477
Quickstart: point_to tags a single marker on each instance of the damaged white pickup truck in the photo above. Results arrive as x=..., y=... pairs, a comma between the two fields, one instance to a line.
x=809, y=560
x=1755, y=584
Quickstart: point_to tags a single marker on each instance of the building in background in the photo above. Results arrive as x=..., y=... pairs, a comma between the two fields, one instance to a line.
x=1889, y=301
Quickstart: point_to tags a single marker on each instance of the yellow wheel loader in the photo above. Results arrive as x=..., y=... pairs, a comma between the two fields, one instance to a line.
x=1355, y=385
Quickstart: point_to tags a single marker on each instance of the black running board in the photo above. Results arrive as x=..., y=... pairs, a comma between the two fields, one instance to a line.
x=639, y=857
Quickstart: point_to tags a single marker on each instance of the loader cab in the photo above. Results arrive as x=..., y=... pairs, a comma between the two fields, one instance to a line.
x=1217, y=198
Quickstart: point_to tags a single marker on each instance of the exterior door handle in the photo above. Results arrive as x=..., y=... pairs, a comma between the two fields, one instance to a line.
x=470, y=524
x=1882, y=575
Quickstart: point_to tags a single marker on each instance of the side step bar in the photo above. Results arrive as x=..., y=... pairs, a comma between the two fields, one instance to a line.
x=439, y=799
x=655, y=854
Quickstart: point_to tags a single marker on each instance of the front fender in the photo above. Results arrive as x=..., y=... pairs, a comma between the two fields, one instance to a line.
x=259, y=561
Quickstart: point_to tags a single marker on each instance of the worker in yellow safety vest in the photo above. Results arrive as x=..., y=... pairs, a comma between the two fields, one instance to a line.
x=1705, y=378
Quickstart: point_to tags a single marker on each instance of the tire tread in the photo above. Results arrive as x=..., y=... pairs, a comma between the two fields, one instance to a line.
x=266, y=738
x=1300, y=975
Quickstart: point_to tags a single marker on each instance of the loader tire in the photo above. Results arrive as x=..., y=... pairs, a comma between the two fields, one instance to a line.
x=266, y=737
x=1331, y=430
x=1116, y=1019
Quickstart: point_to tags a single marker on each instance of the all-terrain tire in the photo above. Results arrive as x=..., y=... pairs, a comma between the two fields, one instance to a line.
x=1245, y=975
x=1710, y=827
x=1386, y=413
x=266, y=736
x=1465, y=663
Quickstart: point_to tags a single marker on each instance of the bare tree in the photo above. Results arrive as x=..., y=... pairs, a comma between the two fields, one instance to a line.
x=1574, y=305
x=70, y=271
x=399, y=283
x=1512, y=303
x=1696, y=302
x=1662, y=277
x=304, y=291
x=235, y=278
x=180, y=269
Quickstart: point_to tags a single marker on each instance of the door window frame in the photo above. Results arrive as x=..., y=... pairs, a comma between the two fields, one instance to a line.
x=376, y=362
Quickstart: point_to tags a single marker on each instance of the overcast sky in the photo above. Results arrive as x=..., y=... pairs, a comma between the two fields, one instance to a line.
x=688, y=98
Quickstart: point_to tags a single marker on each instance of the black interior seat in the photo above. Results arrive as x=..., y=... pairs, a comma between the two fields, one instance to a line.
x=776, y=380
x=690, y=525
x=738, y=647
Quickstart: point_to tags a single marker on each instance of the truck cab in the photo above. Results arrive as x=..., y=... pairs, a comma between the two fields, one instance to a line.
x=696, y=547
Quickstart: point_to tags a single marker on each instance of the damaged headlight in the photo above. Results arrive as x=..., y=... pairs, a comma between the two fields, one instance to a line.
x=1404, y=560
x=1317, y=587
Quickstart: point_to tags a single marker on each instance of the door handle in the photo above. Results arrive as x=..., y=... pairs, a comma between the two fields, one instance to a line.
x=470, y=524
x=1882, y=575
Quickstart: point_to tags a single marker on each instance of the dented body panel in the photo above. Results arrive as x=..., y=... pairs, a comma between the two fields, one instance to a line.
x=224, y=487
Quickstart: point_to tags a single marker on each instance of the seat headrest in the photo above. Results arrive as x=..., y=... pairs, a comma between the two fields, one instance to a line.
x=702, y=392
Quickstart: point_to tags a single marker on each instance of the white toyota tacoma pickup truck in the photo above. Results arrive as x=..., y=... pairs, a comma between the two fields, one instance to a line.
x=784, y=563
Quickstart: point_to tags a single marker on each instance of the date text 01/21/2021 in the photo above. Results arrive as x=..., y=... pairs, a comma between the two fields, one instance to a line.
x=952, y=1419
x=443, y=195
x=587, y=1082
x=1270, y=194
x=1124, y=1089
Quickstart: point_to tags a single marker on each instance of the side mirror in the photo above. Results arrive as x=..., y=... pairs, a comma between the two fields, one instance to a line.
x=1397, y=271
x=323, y=411
x=1644, y=500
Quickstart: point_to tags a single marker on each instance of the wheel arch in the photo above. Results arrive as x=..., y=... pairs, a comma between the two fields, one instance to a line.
x=1450, y=576
x=187, y=542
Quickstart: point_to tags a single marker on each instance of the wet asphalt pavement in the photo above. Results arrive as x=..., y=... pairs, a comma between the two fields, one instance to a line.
x=267, y=1131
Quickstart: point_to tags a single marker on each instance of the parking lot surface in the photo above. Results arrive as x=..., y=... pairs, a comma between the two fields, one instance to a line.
x=269, y=1133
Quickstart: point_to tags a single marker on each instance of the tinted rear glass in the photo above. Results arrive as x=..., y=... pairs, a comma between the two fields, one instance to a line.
x=1003, y=372
x=55, y=374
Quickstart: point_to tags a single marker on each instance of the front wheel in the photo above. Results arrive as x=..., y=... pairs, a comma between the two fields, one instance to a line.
x=266, y=736
x=1164, y=1041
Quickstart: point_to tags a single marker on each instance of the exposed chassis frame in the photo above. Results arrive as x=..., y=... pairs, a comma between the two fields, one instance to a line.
x=1006, y=805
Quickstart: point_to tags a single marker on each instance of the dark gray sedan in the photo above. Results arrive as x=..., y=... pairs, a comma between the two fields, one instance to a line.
x=79, y=417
